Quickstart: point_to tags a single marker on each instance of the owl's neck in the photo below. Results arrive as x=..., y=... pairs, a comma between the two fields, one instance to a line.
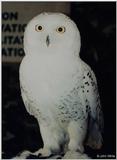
x=70, y=53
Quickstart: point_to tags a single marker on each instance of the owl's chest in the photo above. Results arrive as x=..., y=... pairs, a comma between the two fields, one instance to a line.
x=49, y=76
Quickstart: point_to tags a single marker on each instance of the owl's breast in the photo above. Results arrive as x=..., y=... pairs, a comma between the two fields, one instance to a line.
x=47, y=78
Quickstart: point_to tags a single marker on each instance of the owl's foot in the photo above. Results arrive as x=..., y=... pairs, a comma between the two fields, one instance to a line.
x=40, y=154
x=43, y=152
x=75, y=155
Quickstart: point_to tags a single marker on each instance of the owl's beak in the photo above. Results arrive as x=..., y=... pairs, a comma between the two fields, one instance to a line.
x=47, y=41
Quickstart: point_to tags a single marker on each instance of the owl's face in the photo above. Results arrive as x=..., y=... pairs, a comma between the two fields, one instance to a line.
x=51, y=32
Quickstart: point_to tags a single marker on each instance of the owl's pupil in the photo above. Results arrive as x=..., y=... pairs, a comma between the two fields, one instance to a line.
x=39, y=27
x=60, y=29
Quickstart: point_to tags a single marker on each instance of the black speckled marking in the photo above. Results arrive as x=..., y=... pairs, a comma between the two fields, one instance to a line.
x=86, y=100
x=88, y=109
x=87, y=106
x=77, y=87
x=63, y=120
x=87, y=83
x=88, y=74
x=64, y=104
x=70, y=107
x=61, y=107
x=93, y=83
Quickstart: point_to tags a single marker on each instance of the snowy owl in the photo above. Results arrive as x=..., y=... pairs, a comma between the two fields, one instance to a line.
x=58, y=88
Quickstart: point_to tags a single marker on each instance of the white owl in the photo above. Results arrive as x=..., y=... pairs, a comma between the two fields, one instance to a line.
x=58, y=88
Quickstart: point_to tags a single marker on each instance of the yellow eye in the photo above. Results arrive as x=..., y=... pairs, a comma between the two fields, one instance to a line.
x=38, y=28
x=61, y=29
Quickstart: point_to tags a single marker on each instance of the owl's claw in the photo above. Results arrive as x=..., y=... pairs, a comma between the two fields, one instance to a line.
x=44, y=153
x=75, y=155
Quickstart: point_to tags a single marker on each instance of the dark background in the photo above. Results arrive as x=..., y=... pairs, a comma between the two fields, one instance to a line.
x=96, y=22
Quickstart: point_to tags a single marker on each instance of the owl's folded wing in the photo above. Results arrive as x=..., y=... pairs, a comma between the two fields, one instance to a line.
x=93, y=107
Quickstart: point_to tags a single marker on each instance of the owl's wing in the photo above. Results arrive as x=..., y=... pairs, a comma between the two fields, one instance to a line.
x=25, y=100
x=93, y=107
x=25, y=94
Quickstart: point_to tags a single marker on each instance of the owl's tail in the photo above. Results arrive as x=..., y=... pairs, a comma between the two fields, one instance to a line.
x=94, y=137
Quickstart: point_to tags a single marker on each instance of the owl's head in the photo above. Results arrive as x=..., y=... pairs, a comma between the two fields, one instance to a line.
x=51, y=33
